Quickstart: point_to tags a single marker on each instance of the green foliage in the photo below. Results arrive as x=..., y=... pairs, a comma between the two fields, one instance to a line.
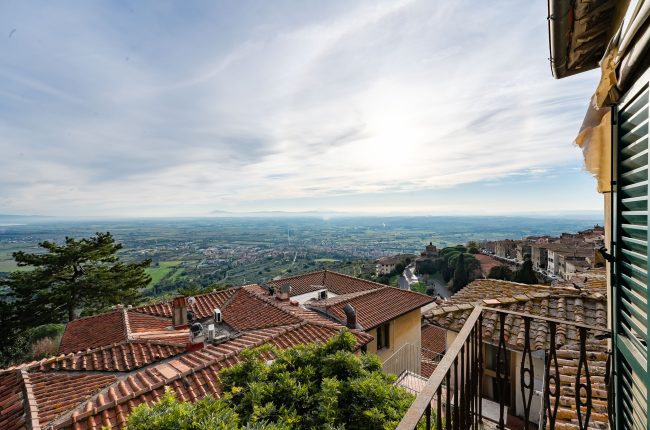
x=419, y=287
x=427, y=267
x=305, y=387
x=46, y=330
x=81, y=275
x=460, y=275
x=525, y=274
x=500, y=272
x=472, y=244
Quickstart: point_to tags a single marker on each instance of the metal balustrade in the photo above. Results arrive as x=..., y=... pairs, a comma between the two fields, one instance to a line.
x=452, y=398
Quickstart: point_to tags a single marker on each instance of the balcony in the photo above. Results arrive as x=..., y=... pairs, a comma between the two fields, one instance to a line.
x=562, y=370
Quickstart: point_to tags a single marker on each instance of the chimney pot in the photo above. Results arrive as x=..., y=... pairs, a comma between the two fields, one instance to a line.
x=285, y=292
x=350, y=316
x=179, y=312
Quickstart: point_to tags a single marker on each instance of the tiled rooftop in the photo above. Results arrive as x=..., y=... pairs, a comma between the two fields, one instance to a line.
x=373, y=307
x=434, y=345
x=120, y=357
x=191, y=376
x=586, y=306
x=336, y=283
x=202, y=308
x=248, y=312
x=109, y=328
x=128, y=356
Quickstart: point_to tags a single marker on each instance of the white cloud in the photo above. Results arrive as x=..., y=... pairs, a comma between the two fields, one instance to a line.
x=163, y=111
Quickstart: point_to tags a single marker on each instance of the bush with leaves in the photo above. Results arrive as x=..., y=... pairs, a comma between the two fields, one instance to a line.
x=500, y=272
x=309, y=386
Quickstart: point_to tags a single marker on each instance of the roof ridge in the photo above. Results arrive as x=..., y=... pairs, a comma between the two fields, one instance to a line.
x=168, y=302
x=95, y=315
x=28, y=366
x=127, y=324
x=271, y=302
x=298, y=276
x=357, y=279
x=30, y=404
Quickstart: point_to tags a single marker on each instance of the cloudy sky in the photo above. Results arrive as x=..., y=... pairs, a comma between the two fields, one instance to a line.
x=189, y=108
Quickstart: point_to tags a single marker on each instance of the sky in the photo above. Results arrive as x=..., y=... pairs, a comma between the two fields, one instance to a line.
x=174, y=108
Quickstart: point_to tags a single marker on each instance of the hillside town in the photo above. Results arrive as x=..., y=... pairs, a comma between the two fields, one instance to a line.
x=230, y=217
x=553, y=257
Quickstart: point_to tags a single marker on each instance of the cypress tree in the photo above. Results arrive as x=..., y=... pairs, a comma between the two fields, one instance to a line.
x=526, y=274
x=460, y=275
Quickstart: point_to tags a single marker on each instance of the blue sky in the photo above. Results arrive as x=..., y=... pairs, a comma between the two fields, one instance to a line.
x=185, y=108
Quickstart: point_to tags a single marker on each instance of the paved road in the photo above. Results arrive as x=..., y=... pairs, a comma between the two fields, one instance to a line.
x=441, y=289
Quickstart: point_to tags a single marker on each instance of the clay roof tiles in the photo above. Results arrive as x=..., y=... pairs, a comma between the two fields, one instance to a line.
x=191, y=376
x=587, y=306
x=12, y=401
x=373, y=307
x=202, y=308
x=247, y=311
x=336, y=283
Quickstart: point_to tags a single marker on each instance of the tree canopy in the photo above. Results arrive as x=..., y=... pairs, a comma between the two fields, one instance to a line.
x=525, y=274
x=83, y=274
x=308, y=386
x=460, y=275
x=77, y=277
x=500, y=272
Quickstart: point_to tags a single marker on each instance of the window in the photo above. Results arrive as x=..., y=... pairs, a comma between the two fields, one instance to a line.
x=383, y=336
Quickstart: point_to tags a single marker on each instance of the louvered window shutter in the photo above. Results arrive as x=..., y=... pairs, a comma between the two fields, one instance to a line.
x=630, y=292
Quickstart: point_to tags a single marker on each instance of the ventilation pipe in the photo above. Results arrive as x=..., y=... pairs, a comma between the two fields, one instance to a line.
x=350, y=316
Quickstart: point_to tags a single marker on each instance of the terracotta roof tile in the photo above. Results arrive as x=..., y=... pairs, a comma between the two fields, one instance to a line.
x=246, y=311
x=119, y=357
x=191, y=376
x=202, y=308
x=568, y=304
x=91, y=332
x=336, y=283
x=12, y=401
x=373, y=307
x=57, y=393
x=434, y=345
x=114, y=327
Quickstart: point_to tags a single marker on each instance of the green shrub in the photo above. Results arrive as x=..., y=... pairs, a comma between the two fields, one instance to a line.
x=319, y=386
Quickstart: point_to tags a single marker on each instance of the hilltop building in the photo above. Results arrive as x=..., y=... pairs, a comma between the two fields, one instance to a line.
x=386, y=265
x=430, y=251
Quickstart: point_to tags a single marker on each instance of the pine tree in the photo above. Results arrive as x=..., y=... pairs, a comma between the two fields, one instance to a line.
x=460, y=275
x=81, y=275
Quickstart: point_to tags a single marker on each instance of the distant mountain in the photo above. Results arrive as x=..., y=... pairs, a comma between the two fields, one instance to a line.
x=280, y=214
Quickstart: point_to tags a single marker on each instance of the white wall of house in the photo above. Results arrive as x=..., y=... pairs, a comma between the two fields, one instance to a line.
x=537, y=401
x=302, y=298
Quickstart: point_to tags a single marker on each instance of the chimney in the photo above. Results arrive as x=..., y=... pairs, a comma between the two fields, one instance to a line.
x=285, y=292
x=179, y=312
x=350, y=316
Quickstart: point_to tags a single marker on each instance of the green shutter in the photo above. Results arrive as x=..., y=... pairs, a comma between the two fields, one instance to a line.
x=630, y=296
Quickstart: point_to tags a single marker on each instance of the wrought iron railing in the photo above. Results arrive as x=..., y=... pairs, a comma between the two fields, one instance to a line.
x=452, y=398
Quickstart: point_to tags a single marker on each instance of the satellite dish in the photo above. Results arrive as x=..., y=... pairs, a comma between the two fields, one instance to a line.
x=191, y=301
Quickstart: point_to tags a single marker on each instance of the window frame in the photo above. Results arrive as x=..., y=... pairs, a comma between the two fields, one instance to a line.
x=383, y=336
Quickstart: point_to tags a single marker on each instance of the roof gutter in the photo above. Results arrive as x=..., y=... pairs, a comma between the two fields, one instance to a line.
x=560, y=13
